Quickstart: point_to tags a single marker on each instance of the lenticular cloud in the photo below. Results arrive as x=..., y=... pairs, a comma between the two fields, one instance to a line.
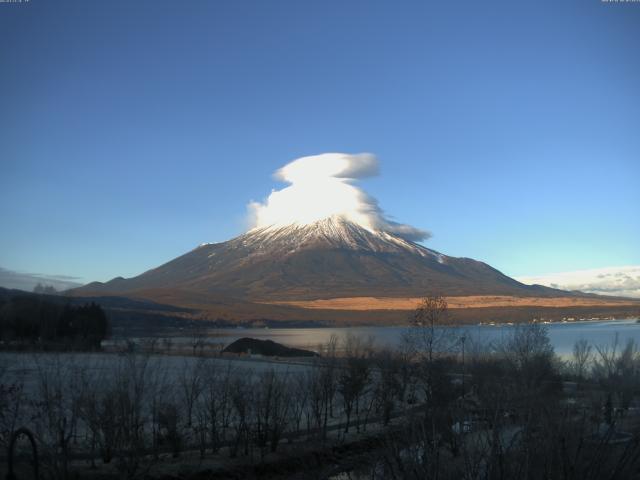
x=322, y=186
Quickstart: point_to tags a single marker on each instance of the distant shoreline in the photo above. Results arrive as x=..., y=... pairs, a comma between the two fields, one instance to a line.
x=454, y=302
x=209, y=332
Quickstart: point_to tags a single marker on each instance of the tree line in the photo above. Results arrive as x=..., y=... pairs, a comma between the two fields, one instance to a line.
x=35, y=319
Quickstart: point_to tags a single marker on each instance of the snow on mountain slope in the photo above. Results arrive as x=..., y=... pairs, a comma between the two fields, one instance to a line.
x=333, y=232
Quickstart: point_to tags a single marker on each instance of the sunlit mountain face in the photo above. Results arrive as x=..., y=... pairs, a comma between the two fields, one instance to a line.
x=333, y=257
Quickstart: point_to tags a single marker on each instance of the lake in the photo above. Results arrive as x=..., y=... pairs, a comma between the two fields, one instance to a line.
x=562, y=335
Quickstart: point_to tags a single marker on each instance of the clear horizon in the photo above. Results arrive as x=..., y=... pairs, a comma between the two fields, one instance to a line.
x=131, y=132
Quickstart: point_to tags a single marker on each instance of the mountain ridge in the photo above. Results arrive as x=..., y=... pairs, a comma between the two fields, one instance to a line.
x=330, y=258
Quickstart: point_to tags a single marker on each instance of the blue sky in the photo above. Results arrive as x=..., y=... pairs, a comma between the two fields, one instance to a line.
x=131, y=131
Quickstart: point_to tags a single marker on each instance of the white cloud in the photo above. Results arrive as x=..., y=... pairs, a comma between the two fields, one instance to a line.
x=616, y=281
x=322, y=186
x=27, y=281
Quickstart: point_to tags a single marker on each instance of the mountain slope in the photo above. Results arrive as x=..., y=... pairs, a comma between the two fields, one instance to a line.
x=326, y=259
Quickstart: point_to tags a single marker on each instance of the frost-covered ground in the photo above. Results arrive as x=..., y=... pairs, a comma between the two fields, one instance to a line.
x=30, y=368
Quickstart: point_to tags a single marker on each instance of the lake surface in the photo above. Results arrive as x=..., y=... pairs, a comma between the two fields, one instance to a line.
x=562, y=335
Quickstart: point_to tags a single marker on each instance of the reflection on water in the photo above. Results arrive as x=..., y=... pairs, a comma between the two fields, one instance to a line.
x=562, y=335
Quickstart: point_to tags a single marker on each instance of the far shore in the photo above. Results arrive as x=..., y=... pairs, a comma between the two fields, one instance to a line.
x=472, y=301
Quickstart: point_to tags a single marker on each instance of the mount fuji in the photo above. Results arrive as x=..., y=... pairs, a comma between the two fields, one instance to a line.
x=322, y=249
x=329, y=258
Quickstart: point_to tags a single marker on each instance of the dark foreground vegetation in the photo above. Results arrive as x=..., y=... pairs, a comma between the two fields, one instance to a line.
x=28, y=320
x=440, y=407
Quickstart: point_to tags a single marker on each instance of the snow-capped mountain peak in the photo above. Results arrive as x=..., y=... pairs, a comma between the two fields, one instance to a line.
x=331, y=232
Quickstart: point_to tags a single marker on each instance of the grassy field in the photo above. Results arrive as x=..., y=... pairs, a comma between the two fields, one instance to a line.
x=475, y=301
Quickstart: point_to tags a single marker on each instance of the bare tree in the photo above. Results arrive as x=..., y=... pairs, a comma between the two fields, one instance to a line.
x=167, y=344
x=271, y=409
x=198, y=341
x=527, y=342
x=322, y=386
x=169, y=426
x=133, y=389
x=96, y=409
x=12, y=399
x=432, y=312
x=354, y=376
x=242, y=402
x=299, y=398
x=55, y=411
x=217, y=400
x=581, y=356
x=190, y=381
x=389, y=388
x=618, y=371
